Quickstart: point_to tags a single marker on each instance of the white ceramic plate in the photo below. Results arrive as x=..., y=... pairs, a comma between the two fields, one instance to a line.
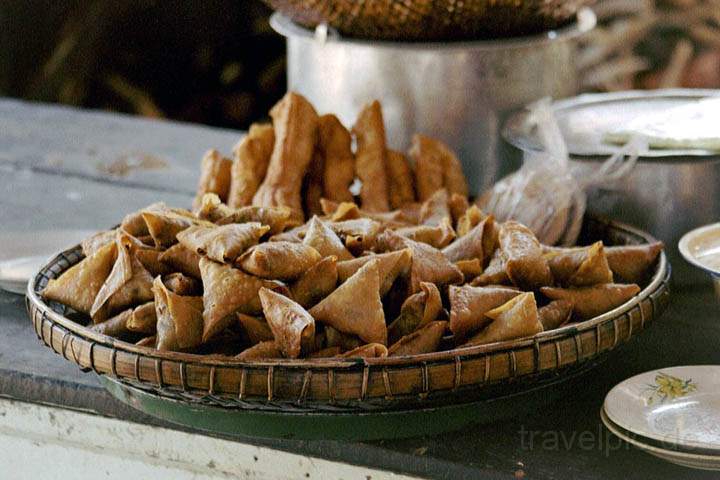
x=691, y=460
x=701, y=247
x=23, y=253
x=677, y=406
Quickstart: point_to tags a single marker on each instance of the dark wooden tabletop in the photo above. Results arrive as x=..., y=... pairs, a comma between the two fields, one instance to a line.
x=56, y=164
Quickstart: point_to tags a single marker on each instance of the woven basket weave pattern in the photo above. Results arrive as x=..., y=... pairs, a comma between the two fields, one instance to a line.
x=431, y=20
x=352, y=385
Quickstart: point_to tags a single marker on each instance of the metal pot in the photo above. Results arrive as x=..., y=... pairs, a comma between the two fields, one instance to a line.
x=667, y=194
x=459, y=92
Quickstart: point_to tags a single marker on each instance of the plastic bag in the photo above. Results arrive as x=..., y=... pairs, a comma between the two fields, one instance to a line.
x=544, y=194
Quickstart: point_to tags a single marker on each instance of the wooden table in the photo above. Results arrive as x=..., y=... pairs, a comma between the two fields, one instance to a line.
x=53, y=164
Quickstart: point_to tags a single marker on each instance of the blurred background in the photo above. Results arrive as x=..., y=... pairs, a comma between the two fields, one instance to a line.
x=218, y=62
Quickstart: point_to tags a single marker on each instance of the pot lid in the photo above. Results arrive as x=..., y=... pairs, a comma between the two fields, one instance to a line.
x=586, y=119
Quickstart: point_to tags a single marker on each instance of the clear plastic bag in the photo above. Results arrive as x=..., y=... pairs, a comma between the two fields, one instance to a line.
x=544, y=194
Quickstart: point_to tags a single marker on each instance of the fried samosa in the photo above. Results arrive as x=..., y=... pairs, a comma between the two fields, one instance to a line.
x=334, y=144
x=458, y=205
x=182, y=284
x=256, y=329
x=435, y=209
x=228, y=290
x=115, y=326
x=321, y=237
x=250, y=164
x=279, y=260
x=292, y=326
x=371, y=158
x=391, y=265
x=525, y=264
x=295, y=122
x=468, y=306
x=476, y=244
x=555, y=314
x=495, y=273
x=425, y=340
x=579, y=267
x=470, y=268
x=401, y=188
x=336, y=338
x=355, y=306
x=179, y=319
x=589, y=302
x=181, y=259
x=371, y=350
x=260, y=351
x=437, y=236
x=417, y=310
x=165, y=225
x=515, y=319
x=277, y=218
x=78, y=286
x=211, y=208
x=631, y=263
x=350, y=211
x=316, y=283
x=436, y=167
x=143, y=319
x=471, y=217
x=225, y=243
x=428, y=264
x=214, y=176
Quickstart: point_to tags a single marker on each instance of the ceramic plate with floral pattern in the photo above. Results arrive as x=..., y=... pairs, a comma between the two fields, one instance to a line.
x=679, y=406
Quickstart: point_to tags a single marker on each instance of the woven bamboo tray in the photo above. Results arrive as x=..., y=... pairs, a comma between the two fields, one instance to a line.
x=435, y=20
x=343, y=386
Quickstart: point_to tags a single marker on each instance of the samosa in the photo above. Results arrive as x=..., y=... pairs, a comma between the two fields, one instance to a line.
x=468, y=306
x=417, y=310
x=437, y=236
x=515, y=319
x=589, y=302
x=325, y=241
x=355, y=306
x=526, y=266
x=260, y=351
x=391, y=265
x=292, y=326
x=435, y=209
x=276, y=218
x=424, y=340
x=316, y=283
x=181, y=259
x=256, y=329
x=179, y=319
x=224, y=243
x=278, y=260
x=371, y=350
x=143, y=319
x=555, y=314
x=579, y=267
x=631, y=263
x=250, y=164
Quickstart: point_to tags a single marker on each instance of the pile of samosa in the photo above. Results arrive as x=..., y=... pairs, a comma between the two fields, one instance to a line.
x=405, y=266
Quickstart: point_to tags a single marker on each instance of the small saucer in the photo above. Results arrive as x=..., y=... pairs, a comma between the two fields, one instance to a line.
x=685, y=459
x=23, y=253
x=701, y=248
x=678, y=406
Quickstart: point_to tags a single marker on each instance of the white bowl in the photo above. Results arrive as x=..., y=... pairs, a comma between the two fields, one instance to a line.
x=701, y=248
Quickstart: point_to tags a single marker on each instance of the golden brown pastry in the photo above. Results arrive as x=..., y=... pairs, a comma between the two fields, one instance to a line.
x=179, y=319
x=292, y=326
x=371, y=158
x=128, y=283
x=277, y=218
x=279, y=260
x=95, y=242
x=417, y=310
x=115, y=326
x=470, y=268
x=334, y=144
x=371, y=350
x=350, y=211
x=295, y=122
x=579, y=267
x=515, y=319
x=631, y=263
x=391, y=265
x=147, y=342
x=401, y=188
x=495, y=273
x=471, y=217
x=435, y=209
x=214, y=177
x=143, y=319
x=182, y=259
x=78, y=286
x=555, y=314
x=256, y=329
x=475, y=244
x=250, y=164
x=165, y=225
x=150, y=259
x=436, y=167
x=228, y=290
x=211, y=208
x=326, y=353
x=316, y=283
x=355, y=306
x=589, y=302
x=321, y=237
x=458, y=205
x=468, y=306
x=336, y=338
x=525, y=264
x=428, y=263
x=425, y=340
x=437, y=236
x=260, y=351
x=225, y=243
x=182, y=284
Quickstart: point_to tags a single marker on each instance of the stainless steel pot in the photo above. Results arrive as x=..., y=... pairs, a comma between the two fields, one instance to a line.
x=459, y=92
x=667, y=194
